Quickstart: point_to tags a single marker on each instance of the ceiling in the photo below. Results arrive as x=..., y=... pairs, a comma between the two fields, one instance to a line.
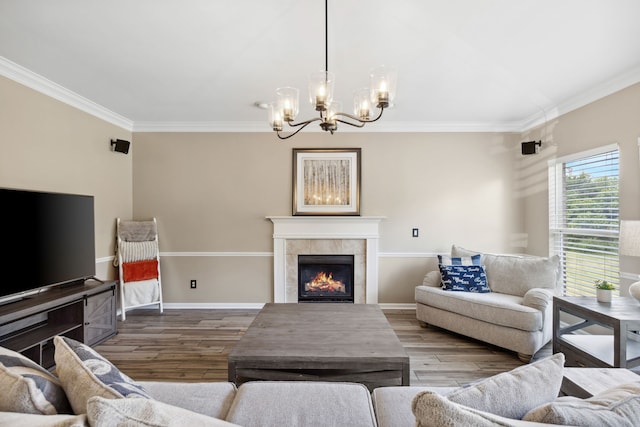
x=464, y=65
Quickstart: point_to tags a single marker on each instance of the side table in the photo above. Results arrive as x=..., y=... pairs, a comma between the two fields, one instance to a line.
x=618, y=349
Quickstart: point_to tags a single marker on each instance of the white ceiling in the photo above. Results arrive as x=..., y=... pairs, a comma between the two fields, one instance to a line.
x=502, y=65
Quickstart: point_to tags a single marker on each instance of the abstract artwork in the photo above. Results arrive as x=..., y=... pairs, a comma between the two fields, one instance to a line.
x=326, y=181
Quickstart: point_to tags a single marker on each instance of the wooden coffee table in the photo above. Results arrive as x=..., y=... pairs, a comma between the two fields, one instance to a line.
x=320, y=342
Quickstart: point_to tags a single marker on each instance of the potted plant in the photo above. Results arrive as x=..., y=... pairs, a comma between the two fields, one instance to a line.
x=604, y=290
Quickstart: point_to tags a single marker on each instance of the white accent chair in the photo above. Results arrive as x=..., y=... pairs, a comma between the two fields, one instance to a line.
x=518, y=312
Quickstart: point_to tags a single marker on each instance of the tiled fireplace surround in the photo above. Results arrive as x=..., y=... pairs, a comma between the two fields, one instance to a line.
x=312, y=235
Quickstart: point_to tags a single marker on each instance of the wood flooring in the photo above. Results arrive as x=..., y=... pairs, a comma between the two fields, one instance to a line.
x=192, y=346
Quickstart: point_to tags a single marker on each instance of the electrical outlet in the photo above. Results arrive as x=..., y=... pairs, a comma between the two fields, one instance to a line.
x=414, y=232
x=194, y=283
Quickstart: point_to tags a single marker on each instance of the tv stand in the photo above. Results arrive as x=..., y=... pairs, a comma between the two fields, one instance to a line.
x=85, y=312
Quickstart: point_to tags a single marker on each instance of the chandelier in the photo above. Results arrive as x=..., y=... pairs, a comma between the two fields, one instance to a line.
x=380, y=93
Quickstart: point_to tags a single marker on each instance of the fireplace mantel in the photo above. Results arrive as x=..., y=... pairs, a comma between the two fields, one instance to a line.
x=364, y=228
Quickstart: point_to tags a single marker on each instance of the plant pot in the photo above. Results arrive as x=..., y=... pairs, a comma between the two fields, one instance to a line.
x=604, y=295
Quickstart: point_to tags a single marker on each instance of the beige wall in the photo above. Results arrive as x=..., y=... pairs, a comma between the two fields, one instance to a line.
x=211, y=193
x=47, y=145
x=613, y=119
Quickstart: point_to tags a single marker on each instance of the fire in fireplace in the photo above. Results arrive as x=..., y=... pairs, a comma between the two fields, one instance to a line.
x=325, y=278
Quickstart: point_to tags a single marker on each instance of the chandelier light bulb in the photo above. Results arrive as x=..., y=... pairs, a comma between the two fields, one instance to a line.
x=333, y=112
x=361, y=104
x=383, y=86
x=321, y=89
x=275, y=117
x=321, y=96
x=277, y=122
x=288, y=103
x=332, y=116
x=383, y=93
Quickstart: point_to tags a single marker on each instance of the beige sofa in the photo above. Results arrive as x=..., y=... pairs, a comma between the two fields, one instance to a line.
x=516, y=314
x=88, y=386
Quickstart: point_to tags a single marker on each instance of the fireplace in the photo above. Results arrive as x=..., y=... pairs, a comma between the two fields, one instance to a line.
x=313, y=235
x=325, y=278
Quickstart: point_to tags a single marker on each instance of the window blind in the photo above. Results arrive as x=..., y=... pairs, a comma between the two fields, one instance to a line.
x=583, y=218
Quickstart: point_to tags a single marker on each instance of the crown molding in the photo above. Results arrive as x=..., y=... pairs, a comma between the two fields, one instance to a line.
x=43, y=85
x=607, y=88
x=201, y=127
x=28, y=78
x=386, y=127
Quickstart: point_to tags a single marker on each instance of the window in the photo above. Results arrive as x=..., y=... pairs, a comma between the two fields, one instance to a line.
x=583, y=218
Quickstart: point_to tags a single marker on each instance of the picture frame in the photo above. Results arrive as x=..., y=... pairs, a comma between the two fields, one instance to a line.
x=326, y=181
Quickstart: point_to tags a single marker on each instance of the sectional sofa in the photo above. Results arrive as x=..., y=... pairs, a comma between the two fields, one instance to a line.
x=87, y=390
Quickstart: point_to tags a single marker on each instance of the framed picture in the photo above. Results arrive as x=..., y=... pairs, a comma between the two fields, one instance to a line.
x=326, y=181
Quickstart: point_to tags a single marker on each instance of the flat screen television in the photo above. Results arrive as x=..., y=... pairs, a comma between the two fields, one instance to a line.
x=48, y=240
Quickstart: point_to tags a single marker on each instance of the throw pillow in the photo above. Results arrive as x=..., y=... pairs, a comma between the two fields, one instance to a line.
x=465, y=278
x=461, y=260
x=29, y=388
x=142, y=412
x=432, y=279
x=84, y=373
x=512, y=394
x=514, y=274
x=616, y=407
x=432, y=409
x=460, y=251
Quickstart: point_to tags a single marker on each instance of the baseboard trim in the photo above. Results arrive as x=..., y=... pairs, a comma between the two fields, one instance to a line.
x=254, y=306
x=397, y=306
x=216, y=305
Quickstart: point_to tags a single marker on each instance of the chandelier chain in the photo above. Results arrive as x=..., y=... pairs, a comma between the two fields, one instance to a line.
x=326, y=35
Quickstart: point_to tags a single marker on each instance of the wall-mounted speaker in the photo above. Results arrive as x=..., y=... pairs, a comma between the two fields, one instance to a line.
x=529, y=147
x=120, y=145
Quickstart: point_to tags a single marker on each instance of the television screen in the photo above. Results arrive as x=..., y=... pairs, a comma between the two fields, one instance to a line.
x=49, y=240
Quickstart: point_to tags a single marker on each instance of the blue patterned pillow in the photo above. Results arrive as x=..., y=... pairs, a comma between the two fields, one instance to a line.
x=84, y=373
x=463, y=260
x=464, y=278
x=29, y=388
